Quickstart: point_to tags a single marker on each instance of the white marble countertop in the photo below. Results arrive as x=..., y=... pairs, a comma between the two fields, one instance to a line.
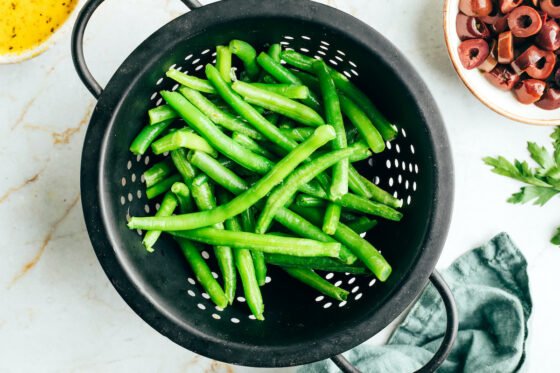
x=59, y=312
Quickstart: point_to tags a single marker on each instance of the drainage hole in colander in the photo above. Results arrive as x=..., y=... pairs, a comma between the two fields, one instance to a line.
x=191, y=293
x=191, y=281
x=201, y=306
x=359, y=296
x=342, y=304
x=319, y=298
x=205, y=254
x=240, y=299
x=327, y=305
x=329, y=276
x=372, y=282
x=351, y=281
x=216, y=316
x=338, y=283
x=205, y=296
x=235, y=320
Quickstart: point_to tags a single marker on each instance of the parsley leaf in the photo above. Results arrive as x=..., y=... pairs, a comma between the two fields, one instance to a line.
x=543, y=181
x=556, y=238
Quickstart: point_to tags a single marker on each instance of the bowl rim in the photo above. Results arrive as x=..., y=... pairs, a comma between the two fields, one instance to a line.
x=98, y=220
x=447, y=28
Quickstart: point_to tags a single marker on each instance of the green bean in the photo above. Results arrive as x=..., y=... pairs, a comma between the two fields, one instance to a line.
x=357, y=203
x=218, y=172
x=168, y=205
x=339, y=185
x=360, y=120
x=223, y=62
x=158, y=172
x=247, y=54
x=304, y=228
x=248, y=224
x=192, y=82
x=297, y=134
x=148, y=134
x=319, y=264
x=161, y=113
x=219, y=141
x=360, y=247
x=267, y=243
x=218, y=115
x=304, y=200
x=278, y=104
x=162, y=187
x=183, y=138
x=281, y=195
x=332, y=217
x=356, y=184
x=203, y=196
x=361, y=204
x=261, y=188
x=202, y=273
x=246, y=269
x=252, y=145
x=187, y=171
x=298, y=92
x=275, y=52
x=283, y=75
x=333, y=113
x=245, y=109
x=379, y=195
x=183, y=195
x=362, y=225
x=310, y=278
x=308, y=80
x=344, y=85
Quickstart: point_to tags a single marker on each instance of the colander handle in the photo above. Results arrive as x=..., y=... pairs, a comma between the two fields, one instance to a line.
x=448, y=339
x=77, y=45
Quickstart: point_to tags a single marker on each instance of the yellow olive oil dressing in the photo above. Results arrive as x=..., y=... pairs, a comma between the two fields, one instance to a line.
x=24, y=24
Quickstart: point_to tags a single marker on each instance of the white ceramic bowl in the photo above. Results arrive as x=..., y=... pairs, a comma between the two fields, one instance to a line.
x=501, y=102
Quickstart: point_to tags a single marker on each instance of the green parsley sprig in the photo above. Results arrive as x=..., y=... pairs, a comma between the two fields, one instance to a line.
x=543, y=181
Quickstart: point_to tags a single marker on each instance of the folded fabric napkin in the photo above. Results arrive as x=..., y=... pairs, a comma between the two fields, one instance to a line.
x=491, y=288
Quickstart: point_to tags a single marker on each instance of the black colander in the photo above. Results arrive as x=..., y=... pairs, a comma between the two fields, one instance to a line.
x=301, y=326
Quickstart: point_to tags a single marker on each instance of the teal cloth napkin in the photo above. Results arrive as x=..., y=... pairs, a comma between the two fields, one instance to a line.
x=491, y=288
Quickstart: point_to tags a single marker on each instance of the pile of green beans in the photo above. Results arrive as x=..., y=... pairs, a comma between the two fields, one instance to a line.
x=260, y=168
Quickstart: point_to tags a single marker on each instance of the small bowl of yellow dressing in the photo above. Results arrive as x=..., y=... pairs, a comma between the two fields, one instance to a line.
x=27, y=27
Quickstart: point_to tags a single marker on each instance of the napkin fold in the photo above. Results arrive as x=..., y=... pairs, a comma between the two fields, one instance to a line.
x=491, y=288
